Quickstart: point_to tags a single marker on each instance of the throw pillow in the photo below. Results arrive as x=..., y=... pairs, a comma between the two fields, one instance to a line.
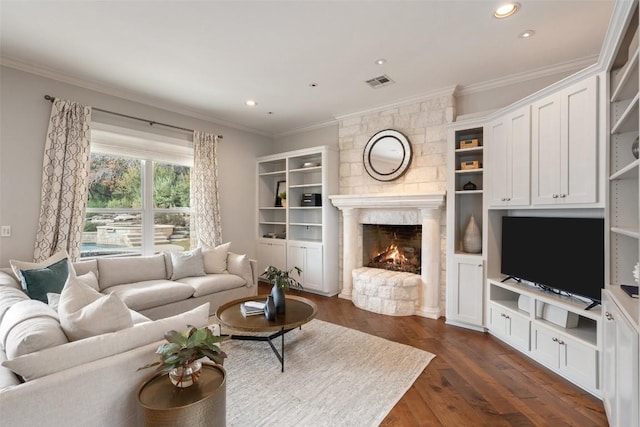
x=215, y=259
x=187, y=264
x=38, y=282
x=240, y=266
x=84, y=312
x=16, y=265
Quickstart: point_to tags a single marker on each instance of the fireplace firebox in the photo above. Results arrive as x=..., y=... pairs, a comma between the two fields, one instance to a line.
x=392, y=247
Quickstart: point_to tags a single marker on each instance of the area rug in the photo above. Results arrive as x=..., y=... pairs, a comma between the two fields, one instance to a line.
x=333, y=376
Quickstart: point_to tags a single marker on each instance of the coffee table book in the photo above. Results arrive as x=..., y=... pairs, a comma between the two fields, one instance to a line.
x=249, y=310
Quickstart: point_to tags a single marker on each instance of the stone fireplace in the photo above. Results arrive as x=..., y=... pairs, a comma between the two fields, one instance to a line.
x=390, y=291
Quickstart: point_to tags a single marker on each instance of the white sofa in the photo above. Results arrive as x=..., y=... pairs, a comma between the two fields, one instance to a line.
x=45, y=379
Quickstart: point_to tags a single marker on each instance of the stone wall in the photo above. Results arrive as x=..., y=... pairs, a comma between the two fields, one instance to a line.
x=424, y=124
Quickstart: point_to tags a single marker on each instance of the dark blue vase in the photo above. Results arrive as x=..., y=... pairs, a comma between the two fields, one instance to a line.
x=270, y=309
x=278, y=298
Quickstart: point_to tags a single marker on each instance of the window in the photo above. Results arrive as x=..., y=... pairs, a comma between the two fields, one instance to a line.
x=138, y=200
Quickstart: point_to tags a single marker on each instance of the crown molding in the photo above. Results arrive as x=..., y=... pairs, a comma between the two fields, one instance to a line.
x=620, y=18
x=53, y=74
x=447, y=91
x=564, y=67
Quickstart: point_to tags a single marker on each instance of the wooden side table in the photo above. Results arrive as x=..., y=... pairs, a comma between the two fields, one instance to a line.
x=203, y=403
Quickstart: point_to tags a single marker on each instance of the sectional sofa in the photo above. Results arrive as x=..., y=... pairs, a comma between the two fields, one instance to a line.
x=77, y=364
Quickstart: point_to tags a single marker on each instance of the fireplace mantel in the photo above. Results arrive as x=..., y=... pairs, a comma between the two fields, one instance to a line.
x=388, y=201
x=424, y=209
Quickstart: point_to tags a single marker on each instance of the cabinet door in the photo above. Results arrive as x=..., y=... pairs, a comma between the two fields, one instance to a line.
x=578, y=361
x=509, y=159
x=627, y=372
x=518, y=330
x=498, y=162
x=271, y=254
x=465, y=298
x=520, y=157
x=545, y=150
x=544, y=344
x=578, y=121
x=314, y=267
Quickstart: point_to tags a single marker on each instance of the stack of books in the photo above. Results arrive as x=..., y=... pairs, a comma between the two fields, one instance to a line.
x=252, y=308
x=632, y=291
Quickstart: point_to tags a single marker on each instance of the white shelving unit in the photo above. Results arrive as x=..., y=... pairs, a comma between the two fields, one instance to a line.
x=465, y=271
x=299, y=234
x=621, y=352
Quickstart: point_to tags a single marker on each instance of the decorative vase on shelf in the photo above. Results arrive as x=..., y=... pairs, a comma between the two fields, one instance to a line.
x=278, y=299
x=472, y=237
x=183, y=377
x=634, y=148
x=270, y=308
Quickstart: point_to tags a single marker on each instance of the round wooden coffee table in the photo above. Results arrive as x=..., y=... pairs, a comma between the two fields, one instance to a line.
x=299, y=311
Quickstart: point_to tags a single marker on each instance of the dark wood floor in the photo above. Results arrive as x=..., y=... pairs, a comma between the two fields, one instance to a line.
x=475, y=379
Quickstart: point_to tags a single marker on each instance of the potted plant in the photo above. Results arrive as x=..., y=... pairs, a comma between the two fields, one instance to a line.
x=283, y=198
x=282, y=282
x=180, y=355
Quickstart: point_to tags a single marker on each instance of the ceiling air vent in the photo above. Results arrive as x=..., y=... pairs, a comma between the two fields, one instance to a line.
x=379, y=81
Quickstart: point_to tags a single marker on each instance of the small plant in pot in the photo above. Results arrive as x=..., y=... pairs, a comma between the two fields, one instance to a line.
x=282, y=282
x=283, y=198
x=180, y=355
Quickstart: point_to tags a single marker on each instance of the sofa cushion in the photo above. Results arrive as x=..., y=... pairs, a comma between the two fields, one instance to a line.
x=83, y=267
x=240, y=266
x=211, y=283
x=186, y=264
x=84, y=312
x=9, y=279
x=30, y=326
x=66, y=356
x=215, y=259
x=117, y=271
x=8, y=297
x=151, y=293
x=51, y=278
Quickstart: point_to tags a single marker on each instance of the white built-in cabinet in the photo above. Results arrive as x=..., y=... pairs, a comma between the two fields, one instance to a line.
x=565, y=146
x=465, y=271
x=515, y=315
x=297, y=234
x=509, y=147
x=621, y=374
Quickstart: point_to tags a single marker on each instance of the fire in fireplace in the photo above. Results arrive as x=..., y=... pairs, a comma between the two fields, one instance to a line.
x=392, y=247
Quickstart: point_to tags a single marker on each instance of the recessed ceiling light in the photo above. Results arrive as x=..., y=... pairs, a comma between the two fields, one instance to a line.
x=526, y=34
x=313, y=84
x=380, y=61
x=506, y=10
x=251, y=103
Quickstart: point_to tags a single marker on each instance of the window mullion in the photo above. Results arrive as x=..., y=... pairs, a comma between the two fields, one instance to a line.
x=147, y=208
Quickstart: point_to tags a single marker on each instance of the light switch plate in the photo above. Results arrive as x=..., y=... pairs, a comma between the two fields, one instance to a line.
x=5, y=231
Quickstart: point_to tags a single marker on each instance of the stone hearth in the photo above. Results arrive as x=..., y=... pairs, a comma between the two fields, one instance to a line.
x=396, y=209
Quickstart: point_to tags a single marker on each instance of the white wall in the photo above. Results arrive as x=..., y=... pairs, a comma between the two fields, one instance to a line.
x=325, y=135
x=23, y=124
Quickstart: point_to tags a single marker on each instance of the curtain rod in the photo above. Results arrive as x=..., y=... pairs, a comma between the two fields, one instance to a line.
x=151, y=122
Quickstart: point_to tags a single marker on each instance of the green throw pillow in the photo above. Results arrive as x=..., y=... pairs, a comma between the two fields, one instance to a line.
x=38, y=282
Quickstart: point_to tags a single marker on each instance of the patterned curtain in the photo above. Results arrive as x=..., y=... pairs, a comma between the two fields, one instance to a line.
x=65, y=180
x=206, y=225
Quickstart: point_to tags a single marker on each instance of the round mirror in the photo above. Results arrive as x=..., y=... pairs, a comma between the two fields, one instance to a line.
x=387, y=155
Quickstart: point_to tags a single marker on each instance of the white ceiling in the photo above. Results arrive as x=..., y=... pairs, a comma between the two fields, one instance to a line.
x=208, y=57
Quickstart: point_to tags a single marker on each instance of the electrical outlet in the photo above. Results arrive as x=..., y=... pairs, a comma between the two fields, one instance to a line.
x=5, y=231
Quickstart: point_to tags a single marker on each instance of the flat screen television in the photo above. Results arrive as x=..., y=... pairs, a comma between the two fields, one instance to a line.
x=565, y=255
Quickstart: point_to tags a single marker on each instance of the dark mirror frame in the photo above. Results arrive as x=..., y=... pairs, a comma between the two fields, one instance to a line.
x=403, y=164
